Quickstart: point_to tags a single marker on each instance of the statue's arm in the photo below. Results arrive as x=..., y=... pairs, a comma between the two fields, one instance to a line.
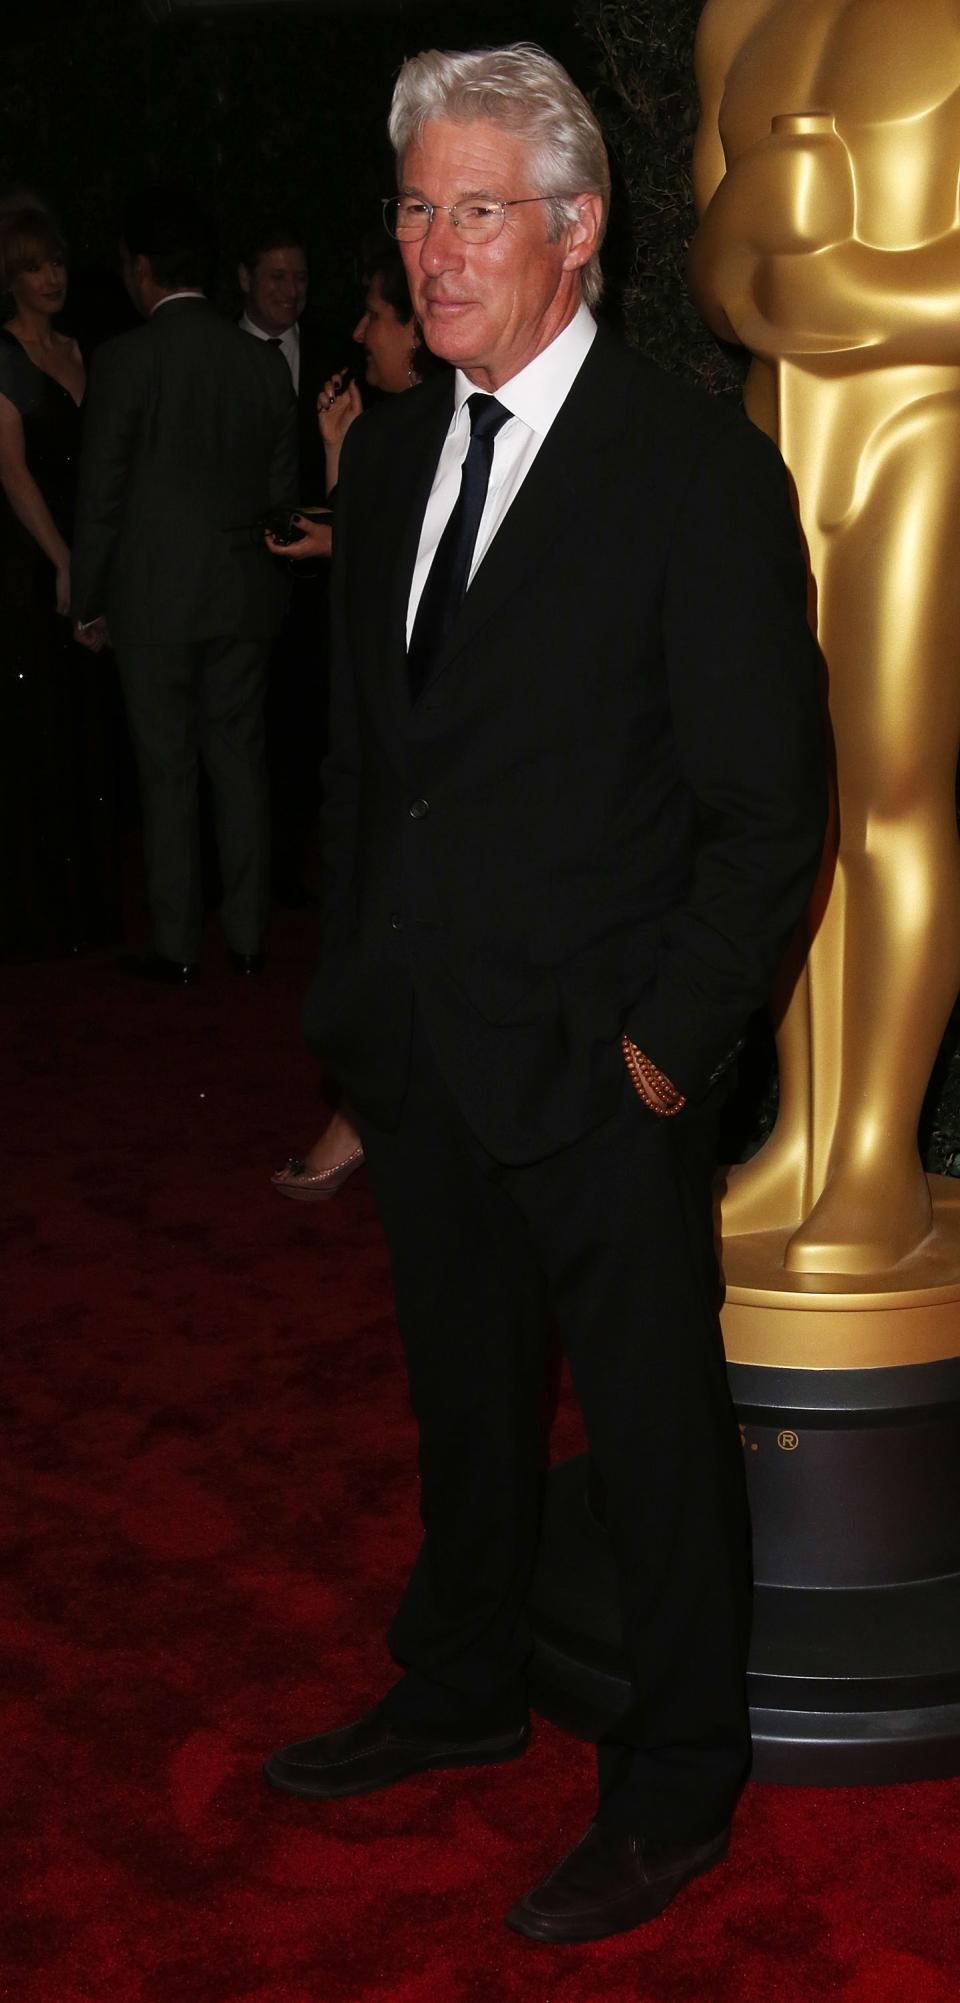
x=778, y=259
x=889, y=307
x=712, y=53
x=720, y=34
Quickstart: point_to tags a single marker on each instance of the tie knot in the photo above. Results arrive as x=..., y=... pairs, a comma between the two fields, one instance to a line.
x=486, y=415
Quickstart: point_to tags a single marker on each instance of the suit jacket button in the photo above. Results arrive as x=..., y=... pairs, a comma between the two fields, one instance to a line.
x=396, y=921
x=417, y=809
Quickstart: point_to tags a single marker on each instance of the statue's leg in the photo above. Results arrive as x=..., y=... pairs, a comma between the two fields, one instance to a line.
x=890, y=630
x=775, y=1189
x=772, y=1191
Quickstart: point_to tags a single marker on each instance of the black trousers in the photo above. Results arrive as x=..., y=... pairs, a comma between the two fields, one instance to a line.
x=296, y=726
x=613, y=1237
x=202, y=700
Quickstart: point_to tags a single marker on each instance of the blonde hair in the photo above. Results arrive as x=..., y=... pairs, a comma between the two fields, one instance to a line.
x=27, y=236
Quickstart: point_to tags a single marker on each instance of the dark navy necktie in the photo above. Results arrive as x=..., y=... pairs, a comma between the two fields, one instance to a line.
x=446, y=584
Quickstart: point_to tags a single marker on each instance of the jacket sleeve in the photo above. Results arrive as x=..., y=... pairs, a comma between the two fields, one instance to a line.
x=341, y=771
x=744, y=683
x=114, y=414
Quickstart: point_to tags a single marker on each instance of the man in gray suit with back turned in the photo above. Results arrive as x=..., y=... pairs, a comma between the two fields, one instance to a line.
x=190, y=434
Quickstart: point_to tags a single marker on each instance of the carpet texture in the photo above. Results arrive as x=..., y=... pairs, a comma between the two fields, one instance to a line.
x=209, y=1506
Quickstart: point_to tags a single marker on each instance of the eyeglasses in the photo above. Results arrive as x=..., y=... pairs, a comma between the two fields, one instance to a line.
x=478, y=218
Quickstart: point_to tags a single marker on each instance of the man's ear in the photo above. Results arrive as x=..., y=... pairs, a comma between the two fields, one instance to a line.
x=243, y=279
x=583, y=235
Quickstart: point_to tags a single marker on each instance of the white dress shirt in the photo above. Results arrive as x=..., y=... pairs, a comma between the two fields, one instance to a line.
x=533, y=399
x=289, y=345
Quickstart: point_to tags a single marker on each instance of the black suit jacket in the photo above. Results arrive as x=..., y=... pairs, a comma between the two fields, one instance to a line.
x=189, y=436
x=315, y=366
x=606, y=807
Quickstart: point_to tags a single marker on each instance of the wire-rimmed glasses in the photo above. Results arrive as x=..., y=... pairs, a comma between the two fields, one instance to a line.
x=476, y=218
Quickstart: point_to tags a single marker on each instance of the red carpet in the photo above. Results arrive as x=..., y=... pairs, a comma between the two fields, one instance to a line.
x=209, y=1506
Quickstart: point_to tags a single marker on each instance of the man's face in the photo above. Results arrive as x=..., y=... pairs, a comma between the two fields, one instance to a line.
x=275, y=290
x=489, y=308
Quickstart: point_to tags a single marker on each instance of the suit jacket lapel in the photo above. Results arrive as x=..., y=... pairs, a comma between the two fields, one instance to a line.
x=548, y=499
x=415, y=469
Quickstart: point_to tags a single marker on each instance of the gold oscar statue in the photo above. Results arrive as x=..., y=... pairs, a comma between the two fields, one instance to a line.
x=826, y=178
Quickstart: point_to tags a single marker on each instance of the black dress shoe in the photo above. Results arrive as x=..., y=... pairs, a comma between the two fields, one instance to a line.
x=247, y=963
x=371, y=1753
x=611, y=1883
x=155, y=967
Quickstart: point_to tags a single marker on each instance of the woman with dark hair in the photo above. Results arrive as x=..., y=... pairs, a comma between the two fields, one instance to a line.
x=59, y=888
x=395, y=359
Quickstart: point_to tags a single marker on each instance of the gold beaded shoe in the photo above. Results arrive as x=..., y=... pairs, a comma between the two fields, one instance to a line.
x=307, y=1185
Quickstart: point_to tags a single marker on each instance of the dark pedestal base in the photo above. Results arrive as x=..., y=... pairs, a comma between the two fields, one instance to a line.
x=847, y=1684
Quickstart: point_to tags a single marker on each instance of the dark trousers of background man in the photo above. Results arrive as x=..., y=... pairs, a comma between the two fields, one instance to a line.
x=296, y=724
x=615, y=1233
x=202, y=700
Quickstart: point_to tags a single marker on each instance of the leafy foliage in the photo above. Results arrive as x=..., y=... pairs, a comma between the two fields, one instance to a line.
x=645, y=97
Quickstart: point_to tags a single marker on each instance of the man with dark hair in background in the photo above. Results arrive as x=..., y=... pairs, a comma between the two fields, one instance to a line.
x=273, y=275
x=190, y=435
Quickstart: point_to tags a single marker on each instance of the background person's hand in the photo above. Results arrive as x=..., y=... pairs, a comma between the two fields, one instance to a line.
x=316, y=540
x=94, y=635
x=337, y=408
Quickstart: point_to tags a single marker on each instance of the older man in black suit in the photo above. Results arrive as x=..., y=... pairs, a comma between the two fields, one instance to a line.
x=190, y=436
x=576, y=800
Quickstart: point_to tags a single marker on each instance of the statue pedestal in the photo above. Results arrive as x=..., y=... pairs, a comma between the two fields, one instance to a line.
x=848, y=1395
x=806, y=1321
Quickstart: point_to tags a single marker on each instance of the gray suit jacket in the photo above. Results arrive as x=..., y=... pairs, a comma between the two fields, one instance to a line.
x=190, y=434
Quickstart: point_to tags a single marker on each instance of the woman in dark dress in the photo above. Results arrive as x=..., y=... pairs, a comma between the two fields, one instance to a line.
x=59, y=869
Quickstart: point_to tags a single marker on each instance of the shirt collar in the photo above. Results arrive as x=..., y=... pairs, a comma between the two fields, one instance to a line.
x=289, y=341
x=168, y=298
x=536, y=392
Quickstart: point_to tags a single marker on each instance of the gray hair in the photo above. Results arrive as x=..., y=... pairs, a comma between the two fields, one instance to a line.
x=526, y=92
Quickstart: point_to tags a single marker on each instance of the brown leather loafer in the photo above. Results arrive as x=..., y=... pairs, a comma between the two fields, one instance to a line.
x=370, y=1754
x=609, y=1884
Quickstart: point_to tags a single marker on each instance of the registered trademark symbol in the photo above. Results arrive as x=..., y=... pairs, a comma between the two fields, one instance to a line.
x=788, y=1441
